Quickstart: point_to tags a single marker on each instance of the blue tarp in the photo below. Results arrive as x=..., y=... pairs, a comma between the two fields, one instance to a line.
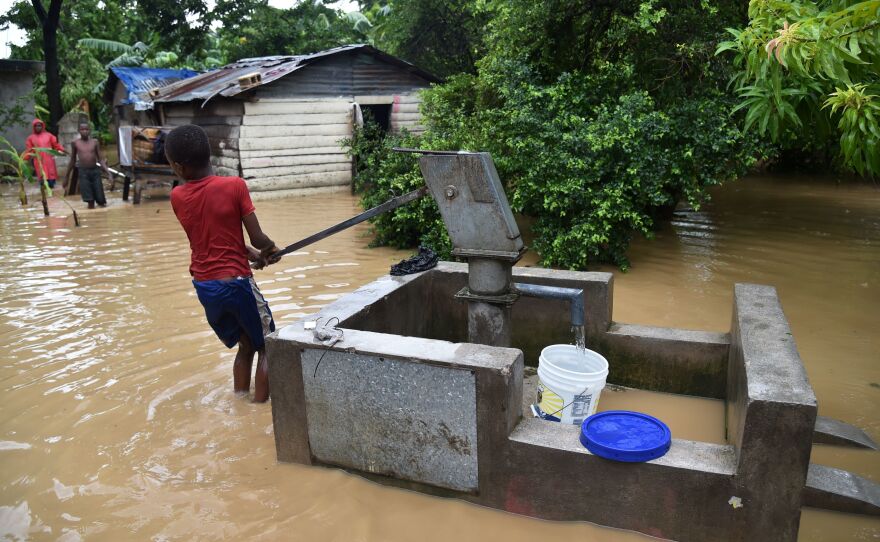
x=139, y=81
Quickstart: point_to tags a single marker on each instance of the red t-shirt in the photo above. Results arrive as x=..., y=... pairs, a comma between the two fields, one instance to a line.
x=210, y=211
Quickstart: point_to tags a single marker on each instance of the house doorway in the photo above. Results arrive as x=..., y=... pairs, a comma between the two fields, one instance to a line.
x=380, y=113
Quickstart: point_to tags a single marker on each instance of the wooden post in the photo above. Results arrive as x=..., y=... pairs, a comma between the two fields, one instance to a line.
x=44, y=188
x=137, y=186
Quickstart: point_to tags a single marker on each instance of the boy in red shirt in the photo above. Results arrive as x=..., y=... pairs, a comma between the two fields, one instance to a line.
x=212, y=210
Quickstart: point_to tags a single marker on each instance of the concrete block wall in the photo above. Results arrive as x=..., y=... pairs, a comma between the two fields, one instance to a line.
x=400, y=330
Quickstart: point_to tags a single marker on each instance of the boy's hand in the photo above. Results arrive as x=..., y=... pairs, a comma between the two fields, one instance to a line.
x=268, y=254
x=258, y=260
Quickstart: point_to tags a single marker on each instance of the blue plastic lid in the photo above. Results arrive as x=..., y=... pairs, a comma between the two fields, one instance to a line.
x=622, y=435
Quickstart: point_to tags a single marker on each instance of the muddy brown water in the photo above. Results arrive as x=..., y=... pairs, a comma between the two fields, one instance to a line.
x=118, y=420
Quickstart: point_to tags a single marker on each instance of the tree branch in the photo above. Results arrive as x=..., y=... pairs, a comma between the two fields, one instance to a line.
x=54, y=9
x=40, y=10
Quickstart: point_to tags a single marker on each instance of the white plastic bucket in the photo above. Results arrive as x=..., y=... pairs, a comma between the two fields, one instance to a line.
x=569, y=382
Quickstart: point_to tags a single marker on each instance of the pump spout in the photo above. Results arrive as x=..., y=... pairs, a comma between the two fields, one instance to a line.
x=574, y=296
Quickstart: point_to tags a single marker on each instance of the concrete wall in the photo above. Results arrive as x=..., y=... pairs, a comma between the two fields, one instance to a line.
x=16, y=87
x=771, y=409
x=68, y=131
x=659, y=359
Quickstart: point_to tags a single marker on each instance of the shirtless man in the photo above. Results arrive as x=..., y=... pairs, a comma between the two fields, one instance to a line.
x=87, y=153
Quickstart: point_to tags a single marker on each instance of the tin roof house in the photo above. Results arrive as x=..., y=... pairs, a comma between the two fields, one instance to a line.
x=128, y=92
x=279, y=122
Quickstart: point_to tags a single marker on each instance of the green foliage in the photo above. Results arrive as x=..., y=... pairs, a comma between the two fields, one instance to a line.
x=382, y=175
x=253, y=28
x=599, y=117
x=807, y=76
x=16, y=168
x=443, y=37
x=20, y=170
x=19, y=167
x=15, y=113
x=95, y=34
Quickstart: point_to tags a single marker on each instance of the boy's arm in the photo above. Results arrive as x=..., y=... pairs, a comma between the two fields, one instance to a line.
x=100, y=158
x=58, y=146
x=259, y=239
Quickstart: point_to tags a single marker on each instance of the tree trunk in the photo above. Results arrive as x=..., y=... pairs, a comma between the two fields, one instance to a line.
x=49, y=22
x=44, y=189
x=22, y=194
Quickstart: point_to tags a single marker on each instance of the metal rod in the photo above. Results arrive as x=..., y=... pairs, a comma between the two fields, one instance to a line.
x=366, y=215
x=425, y=151
x=117, y=173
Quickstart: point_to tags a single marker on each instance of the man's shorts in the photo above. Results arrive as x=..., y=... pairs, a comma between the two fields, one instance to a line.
x=90, y=185
x=51, y=183
x=235, y=306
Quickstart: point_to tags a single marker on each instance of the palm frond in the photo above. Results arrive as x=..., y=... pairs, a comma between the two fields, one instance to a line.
x=126, y=60
x=107, y=46
x=358, y=21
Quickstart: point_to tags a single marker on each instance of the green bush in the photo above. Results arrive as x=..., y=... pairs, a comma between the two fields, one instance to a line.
x=382, y=175
x=599, y=122
x=807, y=75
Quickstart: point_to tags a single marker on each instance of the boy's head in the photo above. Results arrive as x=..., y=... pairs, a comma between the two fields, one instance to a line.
x=37, y=125
x=84, y=130
x=188, y=151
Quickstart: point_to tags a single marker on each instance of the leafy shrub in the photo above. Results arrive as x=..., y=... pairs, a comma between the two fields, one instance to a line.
x=599, y=121
x=807, y=76
x=383, y=174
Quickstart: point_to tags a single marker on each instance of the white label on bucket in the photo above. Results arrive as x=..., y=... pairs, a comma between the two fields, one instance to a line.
x=552, y=405
x=580, y=407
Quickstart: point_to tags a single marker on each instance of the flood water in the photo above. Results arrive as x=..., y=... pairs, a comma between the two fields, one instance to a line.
x=118, y=420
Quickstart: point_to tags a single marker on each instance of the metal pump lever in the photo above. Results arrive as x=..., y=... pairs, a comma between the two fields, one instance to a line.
x=389, y=205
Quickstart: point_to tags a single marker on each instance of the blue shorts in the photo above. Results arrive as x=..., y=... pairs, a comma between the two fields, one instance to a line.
x=235, y=306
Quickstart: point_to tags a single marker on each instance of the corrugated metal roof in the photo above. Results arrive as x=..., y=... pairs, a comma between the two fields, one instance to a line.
x=224, y=81
x=138, y=83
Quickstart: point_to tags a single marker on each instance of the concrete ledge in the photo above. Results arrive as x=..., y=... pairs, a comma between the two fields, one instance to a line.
x=836, y=432
x=835, y=489
x=668, y=360
x=552, y=476
x=773, y=365
x=683, y=454
x=363, y=301
x=431, y=351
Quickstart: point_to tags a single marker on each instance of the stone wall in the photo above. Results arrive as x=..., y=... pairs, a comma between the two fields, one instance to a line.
x=16, y=87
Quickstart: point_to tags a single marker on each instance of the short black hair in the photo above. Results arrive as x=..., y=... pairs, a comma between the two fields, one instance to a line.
x=188, y=145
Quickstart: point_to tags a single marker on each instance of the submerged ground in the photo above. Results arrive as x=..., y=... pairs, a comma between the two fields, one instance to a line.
x=119, y=422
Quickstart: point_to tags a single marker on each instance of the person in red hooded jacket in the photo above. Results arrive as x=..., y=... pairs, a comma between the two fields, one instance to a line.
x=44, y=163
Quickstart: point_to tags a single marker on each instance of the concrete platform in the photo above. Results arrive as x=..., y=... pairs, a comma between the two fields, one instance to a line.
x=403, y=399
